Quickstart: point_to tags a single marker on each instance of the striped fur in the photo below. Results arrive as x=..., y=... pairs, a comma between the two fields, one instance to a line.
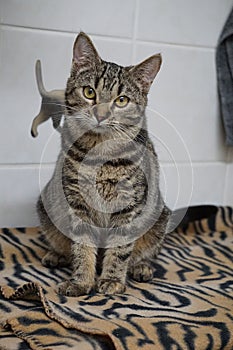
x=122, y=209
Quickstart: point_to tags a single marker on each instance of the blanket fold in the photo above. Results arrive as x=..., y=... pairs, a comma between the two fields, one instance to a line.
x=188, y=305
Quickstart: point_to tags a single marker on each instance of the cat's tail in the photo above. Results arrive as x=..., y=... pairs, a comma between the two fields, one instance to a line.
x=39, y=79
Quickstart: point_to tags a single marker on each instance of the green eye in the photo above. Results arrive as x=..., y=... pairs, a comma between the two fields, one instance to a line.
x=121, y=101
x=89, y=93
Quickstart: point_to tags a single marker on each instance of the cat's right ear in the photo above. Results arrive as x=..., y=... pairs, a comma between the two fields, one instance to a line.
x=84, y=52
x=145, y=72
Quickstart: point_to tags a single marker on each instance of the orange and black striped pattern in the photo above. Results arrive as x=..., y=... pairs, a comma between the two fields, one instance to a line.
x=188, y=304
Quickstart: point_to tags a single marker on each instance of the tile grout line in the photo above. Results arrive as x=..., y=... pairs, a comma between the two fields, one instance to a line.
x=135, y=27
x=65, y=32
x=51, y=164
x=12, y=166
x=175, y=44
x=117, y=38
x=196, y=163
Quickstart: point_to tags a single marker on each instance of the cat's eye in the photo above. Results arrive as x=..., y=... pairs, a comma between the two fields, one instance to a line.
x=121, y=101
x=89, y=93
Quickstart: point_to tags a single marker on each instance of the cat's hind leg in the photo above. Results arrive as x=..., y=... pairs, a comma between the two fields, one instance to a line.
x=58, y=245
x=147, y=248
x=59, y=248
x=142, y=271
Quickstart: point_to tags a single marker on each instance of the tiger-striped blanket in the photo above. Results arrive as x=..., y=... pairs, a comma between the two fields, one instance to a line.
x=188, y=305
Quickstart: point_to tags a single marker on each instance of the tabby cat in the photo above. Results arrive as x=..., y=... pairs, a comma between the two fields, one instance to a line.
x=102, y=211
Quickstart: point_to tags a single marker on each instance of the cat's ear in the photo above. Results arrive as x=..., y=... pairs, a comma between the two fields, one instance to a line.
x=84, y=52
x=145, y=72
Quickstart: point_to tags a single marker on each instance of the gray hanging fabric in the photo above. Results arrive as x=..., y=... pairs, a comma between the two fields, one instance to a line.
x=224, y=62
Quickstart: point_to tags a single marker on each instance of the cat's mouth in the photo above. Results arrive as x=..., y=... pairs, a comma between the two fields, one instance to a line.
x=101, y=128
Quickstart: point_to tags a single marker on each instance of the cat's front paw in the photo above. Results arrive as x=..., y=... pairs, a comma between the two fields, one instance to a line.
x=72, y=288
x=142, y=272
x=52, y=259
x=108, y=286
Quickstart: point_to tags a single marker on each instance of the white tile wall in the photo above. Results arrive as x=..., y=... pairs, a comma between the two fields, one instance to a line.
x=188, y=22
x=187, y=183
x=228, y=189
x=20, y=188
x=186, y=125
x=185, y=93
x=19, y=98
x=102, y=17
x=228, y=194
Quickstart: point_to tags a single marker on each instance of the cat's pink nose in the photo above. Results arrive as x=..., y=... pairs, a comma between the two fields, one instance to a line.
x=100, y=118
x=100, y=113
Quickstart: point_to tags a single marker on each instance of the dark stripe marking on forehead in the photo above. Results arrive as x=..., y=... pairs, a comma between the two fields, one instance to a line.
x=110, y=75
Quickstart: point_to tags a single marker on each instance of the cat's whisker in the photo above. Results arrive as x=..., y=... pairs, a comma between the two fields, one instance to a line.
x=122, y=131
x=61, y=105
x=140, y=137
x=131, y=139
x=119, y=132
x=54, y=103
x=119, y=135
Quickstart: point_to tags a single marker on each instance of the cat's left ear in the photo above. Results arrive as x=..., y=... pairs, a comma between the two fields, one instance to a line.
x=145, y=72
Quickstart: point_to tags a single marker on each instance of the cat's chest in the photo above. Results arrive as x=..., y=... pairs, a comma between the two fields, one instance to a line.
x=105, y=184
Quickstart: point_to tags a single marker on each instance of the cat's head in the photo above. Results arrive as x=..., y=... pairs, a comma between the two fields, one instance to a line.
x=106, y=98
